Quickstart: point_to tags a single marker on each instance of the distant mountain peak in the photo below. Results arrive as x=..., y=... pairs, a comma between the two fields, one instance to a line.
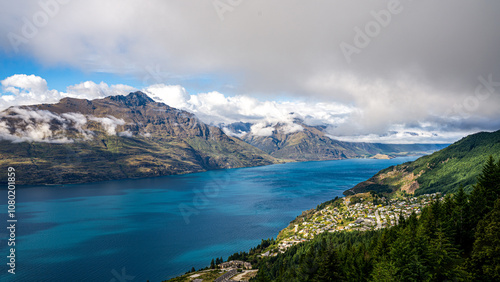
x=137, y=98
x=139, y=95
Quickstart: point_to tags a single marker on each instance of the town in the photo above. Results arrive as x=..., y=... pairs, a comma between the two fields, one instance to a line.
x=362, y=212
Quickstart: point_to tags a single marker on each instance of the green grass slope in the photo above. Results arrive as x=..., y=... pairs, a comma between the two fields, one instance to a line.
x=443, y=171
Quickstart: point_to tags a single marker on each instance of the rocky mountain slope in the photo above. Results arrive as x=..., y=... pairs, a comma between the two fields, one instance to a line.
x=310, y=143
x=444, y=171
x=77, y=140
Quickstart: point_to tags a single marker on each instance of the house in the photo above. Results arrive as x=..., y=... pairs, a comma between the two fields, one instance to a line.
x=359, y=220
x=235, y=264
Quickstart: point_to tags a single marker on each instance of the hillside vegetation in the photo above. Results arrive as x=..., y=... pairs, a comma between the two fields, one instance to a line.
x=443, y=171
x=455, y=239
x=401, y=237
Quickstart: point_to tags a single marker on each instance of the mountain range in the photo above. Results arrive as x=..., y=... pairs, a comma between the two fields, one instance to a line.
x=311, y=143
x=78, y=140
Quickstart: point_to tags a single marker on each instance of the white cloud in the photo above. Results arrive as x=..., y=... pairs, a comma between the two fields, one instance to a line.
x=412, y=71
x=262, y=129
x=261, y=43
x=109, y=123
x=126, y=133
x=77, y=118
x=291, y=128
x=216, y=108
x=267, y=129
x=45, y=126
x=31, y=125
x=17, y=82
x=28, y=115
x=379, y=108
x=21, y=89
x=405, y=137
x=172, y=95
x=230, y=132
x=90, y=90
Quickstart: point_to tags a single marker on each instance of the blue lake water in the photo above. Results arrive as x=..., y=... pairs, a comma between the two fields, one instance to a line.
x=158, y=228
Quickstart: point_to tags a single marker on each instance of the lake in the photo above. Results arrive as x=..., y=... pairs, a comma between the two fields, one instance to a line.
x=158, y=228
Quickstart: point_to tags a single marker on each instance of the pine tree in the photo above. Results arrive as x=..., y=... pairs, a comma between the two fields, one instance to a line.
x=444, y=257
x=463, y=236
x=384, y=271
x=485, y=255
x=212, y=264
x=489, y=175
x=485, y=192
x=329, y=265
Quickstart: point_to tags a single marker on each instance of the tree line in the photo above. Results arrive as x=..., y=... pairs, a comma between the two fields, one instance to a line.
x=457, y=238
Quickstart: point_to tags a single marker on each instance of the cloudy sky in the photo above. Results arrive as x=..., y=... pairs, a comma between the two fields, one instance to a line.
x=389, y=71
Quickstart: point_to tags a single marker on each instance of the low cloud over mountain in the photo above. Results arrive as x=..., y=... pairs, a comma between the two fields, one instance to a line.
x=341, y=121
x=426, y=67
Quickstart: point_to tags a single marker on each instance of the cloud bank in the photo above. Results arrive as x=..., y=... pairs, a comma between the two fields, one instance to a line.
x=24, y=90
x=31, y=125
x=418, y=68
x=370, y=120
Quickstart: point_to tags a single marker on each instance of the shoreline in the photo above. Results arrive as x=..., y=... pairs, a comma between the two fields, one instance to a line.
x=202, y=171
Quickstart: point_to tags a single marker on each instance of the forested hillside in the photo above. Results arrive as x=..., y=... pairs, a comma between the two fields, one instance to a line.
x=455, y=239
x=443, y=171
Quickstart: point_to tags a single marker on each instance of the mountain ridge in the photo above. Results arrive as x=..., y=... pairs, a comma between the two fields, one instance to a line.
x=117, y=137
x=78, y=140
x=311, y=143
x=443, y=171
